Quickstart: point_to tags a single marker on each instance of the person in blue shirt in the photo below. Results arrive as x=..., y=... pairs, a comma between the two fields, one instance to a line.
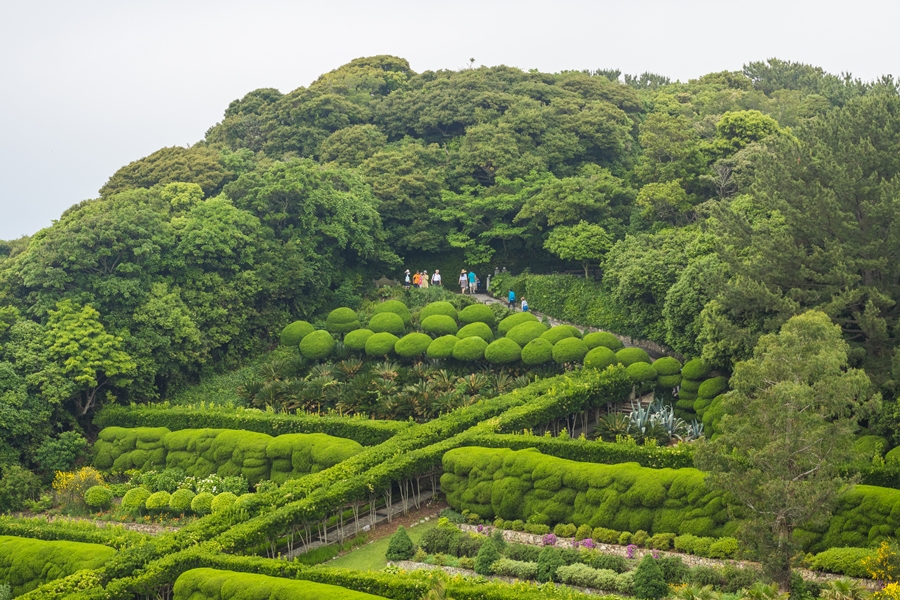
x=511, y=300
x=472, y=282
x=524, y=305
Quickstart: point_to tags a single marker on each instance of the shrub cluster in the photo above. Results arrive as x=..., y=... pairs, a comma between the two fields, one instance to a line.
x=198, y=584
x=27, y=563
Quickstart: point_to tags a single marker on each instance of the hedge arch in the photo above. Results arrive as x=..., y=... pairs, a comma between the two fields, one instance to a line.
x=667, y=366
x=293, y=333
x=569, y=350
x=629, y=356
x=356, y=340
x=516, y=319
x=525, y=332
x=477, y=313
x=439, y=325
x=413, y=344
x=641, y=373
x=557, y=333
x=600, y=357
x=381, y=344
x=477, y=329
x=502, y=352
x=317, y=345
x=711, y=388
x=442, y=347
x=695, y=369
x=469, y=349
x=537, y=352
x=393, y=307
x=342, y=320
x=439, y=308
x=387, y=322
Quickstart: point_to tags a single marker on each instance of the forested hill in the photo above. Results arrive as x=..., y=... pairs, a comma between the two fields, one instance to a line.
x=717, y=208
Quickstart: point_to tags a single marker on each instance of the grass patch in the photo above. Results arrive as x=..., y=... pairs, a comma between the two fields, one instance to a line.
x=371, y=556
x=221, y=388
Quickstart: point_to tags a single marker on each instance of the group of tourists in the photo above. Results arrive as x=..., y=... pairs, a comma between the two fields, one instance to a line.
x=420, y=279
x=468, y=282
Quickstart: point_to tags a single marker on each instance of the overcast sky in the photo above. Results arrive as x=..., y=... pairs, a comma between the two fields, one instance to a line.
x=90, y=86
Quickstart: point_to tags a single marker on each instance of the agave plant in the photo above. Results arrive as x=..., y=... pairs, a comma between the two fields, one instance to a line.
x=764, y=591
x=386, y=370
x=609, y=426
x=350, y=367
x=844, y=589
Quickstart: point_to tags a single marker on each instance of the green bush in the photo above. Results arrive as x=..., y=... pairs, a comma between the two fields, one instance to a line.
x=575, y=331
x=213, y=584
x=629, y=356
x=513, y=320
x=439, y=325
x=487, y=556
x=356, y=339
x=641, y=373
x=135, y=499
x=202, y=503
x=180, y=502
x=26, y=564
x=60, y=454
x=296, y=331
x=600, y=358
x=696, y=369
x=549, y=561
x=395, y=307
x=413, y=344
x=342, y=320
x=525, y=332
x=520, y=569
x=469, y=349
x=661, y=541
x=569, y=350
x=381, y=344
x=17, y=486
x=477, y=313
x=317, y=345
x=893, y=456
x=667, y=366
x=537, y=352
x=583, y=532
x=559, y=332
x=711, y=388
x=868, y=446
x=438, y=308
x=649, y=582
x=843, y=561
x=605, y=339
x=400, y=546
x=478, y=329
x=158, y=501
x=640, y=538
x=98, y=496
x=223, y=502
x=690, y=385
x=535, y=528
x=668, y=381
x=565, y=530
x=725, y=547
x=604, y=535
x=442, y=347
x=502, y=352
x=387, y=322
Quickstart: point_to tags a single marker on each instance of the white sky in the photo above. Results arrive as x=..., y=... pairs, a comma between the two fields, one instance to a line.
x=89, y=86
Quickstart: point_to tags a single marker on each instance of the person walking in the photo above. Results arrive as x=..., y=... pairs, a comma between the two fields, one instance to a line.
x=407, y=279
x=473, y=285
x=424, y=279
x=436, y=278
x=463, y=282
x=511, y=300
x=524, y=305
x=417, y=280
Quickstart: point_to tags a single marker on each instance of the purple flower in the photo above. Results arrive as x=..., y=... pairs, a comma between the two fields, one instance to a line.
x=655, y=554
x=549, y=539
x=629, y=550
x=588, y=543
x=480, y=528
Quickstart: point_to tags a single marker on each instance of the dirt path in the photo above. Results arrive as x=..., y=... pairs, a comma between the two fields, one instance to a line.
x=147, y=528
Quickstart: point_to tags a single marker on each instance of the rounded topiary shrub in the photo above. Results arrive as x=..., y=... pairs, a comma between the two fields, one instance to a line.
x=537, y=352
x=575, y=331
x=317, y=345
x=98, y=496
x=641, y=373
x=667, y=366
x=135, y=499
x=202, y=503
x=442, y=347
x=223, y=502
x=381, y=344
x=569, y=350
x=296, y=331
x=342, y=320
x=690, y=385
x=668, y=381
x=158, y=501
x=413, y=344
x=711, y=388
x=356, y=340
x=439, y=325
x=695, y=369
x=605, y=339
x=525, y=332
x=600, y=357
x=249, y=502
x=387, y=322
x=394, y=307
x=560, y=332
x=893, y=457
x=502, y=352
x=469, y=349
x=479, y=329
x=181, y=500
x=438, y=308
x=516, y=319
x=477, y=313
x=629, y=356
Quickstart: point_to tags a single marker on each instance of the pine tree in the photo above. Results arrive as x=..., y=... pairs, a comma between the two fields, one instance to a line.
x=549, y=560
x=487, y=556
x=649, y=582
x=400, y=547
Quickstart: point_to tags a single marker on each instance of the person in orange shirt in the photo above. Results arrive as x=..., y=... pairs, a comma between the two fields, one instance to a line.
x=417, y=279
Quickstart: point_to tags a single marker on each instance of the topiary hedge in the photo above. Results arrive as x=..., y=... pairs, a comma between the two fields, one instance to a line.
x=668, y=381
x=667, y=366
x=180, y=501
x=711, y=388
x=843, y=561
x=158, y=501
x=26, y=564
x=575, y=331
x=98, y=497
x=629, y=356
x=442, y=347
x=317, y=345
x=569, y=350
x=696, y=369
x=212, y=584
x=502, y=352
x=412, y=344
x=223, y=502
x=641, y=373
x=690, y=385
x=478, y=329
x=381, y=344
x=513, y=320
x=202, y=503
x=469, y=349
x=557, y=333
x=342, y=320
x=477, y=313
x=135, y=499
x=393, y=307
x=438, y=308
x=537, y=352
x=120, y=449
x=523, y=333
x=600, y=358
x=356, y=339
x=439, y=325
x=387, y=322
x=293, y=333
x=605, y=339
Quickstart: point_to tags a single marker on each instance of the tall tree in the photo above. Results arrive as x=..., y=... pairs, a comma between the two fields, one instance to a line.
x=583, y=242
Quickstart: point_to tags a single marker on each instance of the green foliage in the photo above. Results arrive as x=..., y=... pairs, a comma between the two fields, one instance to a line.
x=487, y=556
x=712, y=387
x=438, y=308
x=641, y=373
x=198, y=165
x=442, y=347
x=537, y=352
x=649, y=582
x=868, y=446
x=599, y=357
x=515, y=319
x=603, y=338
x=583, y=242
x=392, y=307
x=201, y=584
x=695, y=369
x=223, y=502
x=98, y=497
x=317, y=345
x=569, y=350
x=387, y=322
x=843, y=561
x=893, y=456
x=296, y=331
x=158, y=501
x=478, y=329
x=26, y=564
x=549, y=561
x=469, y=349
x=439, y=325
x=180, y=501
x=356, y=339
x=400, y=546
x=667, y=365
x=502, y=352
x=557, y=333
x=202, y=503
x=17, y=486
x=523, y=333
x=412, y=344
x=477, y=313
x=342, y=320
x=381, y=344
x=135, y=499
x=629, y=356
x=565, y=530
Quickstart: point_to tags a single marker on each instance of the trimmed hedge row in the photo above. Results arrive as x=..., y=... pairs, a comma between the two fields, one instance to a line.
x=26, y=564
x=365, y=431
x=226, y=452
x=72, y=531
x=200, y=584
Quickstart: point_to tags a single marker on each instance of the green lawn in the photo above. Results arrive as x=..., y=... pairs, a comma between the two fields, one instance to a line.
x=371, y=556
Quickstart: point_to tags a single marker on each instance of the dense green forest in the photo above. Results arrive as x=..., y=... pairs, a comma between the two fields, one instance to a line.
x=716, y=209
